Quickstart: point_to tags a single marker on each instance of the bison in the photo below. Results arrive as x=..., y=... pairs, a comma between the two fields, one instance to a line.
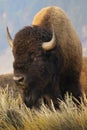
x=47, y=58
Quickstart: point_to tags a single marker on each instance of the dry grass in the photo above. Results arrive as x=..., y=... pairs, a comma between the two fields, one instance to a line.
x=14, y=115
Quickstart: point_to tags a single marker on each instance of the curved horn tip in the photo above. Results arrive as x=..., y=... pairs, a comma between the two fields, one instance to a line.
x=51, y=44
x=10, y=41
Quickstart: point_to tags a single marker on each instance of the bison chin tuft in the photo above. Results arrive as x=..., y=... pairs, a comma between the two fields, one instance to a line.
x=32, y=98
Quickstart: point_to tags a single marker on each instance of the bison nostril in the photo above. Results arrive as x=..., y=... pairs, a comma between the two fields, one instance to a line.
x=19, y=79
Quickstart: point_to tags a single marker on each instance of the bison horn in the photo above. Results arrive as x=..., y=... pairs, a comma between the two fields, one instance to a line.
x=10, y=41
x=51, y=44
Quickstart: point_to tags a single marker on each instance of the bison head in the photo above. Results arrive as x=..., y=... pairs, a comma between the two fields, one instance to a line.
x=34, y=61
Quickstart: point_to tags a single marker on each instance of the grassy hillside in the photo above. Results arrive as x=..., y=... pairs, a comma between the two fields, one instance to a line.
x=7, y=81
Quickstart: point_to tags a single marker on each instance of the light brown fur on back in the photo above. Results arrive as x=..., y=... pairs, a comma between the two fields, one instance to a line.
x=66, y=36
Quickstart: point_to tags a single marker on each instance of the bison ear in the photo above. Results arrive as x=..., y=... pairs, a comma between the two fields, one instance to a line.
x=51, y=44
x=10, y=41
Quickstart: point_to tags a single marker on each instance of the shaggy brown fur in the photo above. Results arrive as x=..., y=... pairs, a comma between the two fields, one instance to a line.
x=83, y=77
x=48, y=74
x=7, y=80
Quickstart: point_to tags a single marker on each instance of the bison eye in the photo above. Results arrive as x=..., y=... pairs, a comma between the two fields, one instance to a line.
x=35, y=59
x=32, y=58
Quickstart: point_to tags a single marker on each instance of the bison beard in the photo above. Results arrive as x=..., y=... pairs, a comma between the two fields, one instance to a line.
x=32, y=98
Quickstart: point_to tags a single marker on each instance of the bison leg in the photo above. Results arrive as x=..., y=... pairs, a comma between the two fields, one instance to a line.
x=72, y=87
x=50, y=102
x=56, y=98
x=76, y=91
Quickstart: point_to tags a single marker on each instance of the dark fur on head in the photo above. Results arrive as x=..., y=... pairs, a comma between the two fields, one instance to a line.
x=34, y=63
